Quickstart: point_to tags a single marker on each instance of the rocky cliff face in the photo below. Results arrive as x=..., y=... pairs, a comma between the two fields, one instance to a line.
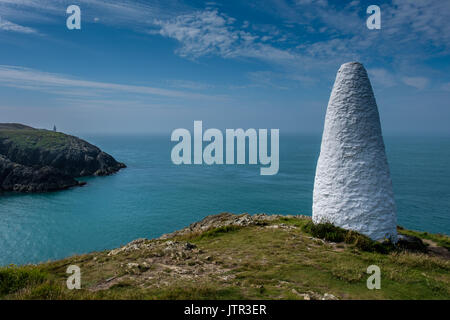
x=33, y=160
x=20, y=178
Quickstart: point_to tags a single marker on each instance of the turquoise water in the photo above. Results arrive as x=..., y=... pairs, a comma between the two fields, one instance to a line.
x=153, y=196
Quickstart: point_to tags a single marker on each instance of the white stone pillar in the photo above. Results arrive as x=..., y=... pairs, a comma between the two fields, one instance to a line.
x=352, y=187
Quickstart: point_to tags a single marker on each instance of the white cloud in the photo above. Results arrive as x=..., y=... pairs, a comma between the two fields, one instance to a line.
x=322, y=3
x=31, y=79
x=418, y=21
x=265, y=79
x=416, y=82
x=205, y=33
x=278, y=80
x=192, y=85
x=6, y=25
x=134, y=15
x=201, y=33
x=353, y=4
x=446, y=86
x=382, y=77
x=332, y=49
x=421, y=27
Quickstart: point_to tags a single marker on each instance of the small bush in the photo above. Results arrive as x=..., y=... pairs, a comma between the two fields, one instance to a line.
x=325, y=231
x=218, y=231
x=14, y=278
x=329, y=232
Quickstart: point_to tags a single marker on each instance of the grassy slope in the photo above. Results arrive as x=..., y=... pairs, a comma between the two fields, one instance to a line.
x=274, y=261
x=35, y=139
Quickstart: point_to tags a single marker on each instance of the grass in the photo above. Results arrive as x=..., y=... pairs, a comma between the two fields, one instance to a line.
x=13, y=279
x=26, y=139
x=281, y=260
x=218, y=231
x=329, y=232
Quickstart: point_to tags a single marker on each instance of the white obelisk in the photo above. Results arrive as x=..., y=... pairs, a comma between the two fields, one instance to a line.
x=353, y=188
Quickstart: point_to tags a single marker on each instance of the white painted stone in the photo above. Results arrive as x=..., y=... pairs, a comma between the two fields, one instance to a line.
x=353, y=188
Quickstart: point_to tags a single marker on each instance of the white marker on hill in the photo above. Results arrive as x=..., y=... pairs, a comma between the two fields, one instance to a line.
x=352, y=187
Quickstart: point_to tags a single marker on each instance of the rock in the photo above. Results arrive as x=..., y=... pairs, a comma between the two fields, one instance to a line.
x=132, y=265
x=305, y=296
x=114, y=252
x=33, y=160
x=189, y=246
x=19, y=178
x=411, y=243
x=329, y=296
x=311, y=295
x=138, y=241
x=111, y=279
x=137, y=244
x=227, y=219
x=353, y=188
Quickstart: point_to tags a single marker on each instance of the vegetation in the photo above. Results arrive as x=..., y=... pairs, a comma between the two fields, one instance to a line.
x=25, y=139
x=213, y=232
x=329, y=232
x=285, y=258
x=14, y=278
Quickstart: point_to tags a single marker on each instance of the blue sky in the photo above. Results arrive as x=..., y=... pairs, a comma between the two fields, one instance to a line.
x=153, y=66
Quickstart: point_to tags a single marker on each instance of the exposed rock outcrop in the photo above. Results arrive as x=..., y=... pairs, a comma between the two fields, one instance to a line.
x=20, y=178
x=226, y=219
x=411, y=243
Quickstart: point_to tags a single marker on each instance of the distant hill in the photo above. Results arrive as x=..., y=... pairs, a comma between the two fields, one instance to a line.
x=37, y=160
x=14, y=126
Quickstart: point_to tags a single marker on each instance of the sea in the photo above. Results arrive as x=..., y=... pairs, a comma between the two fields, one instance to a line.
x=153, y=196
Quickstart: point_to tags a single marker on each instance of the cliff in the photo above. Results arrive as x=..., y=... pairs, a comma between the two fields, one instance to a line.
x=229, y=256
x=35, y=160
